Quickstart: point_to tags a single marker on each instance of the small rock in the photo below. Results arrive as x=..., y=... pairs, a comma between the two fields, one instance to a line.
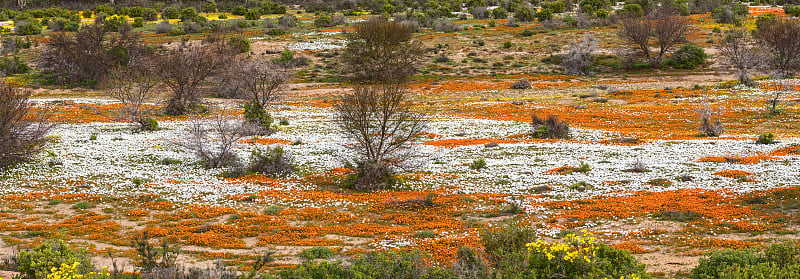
x=517, y=102
x=491, y=144
x=460, y=134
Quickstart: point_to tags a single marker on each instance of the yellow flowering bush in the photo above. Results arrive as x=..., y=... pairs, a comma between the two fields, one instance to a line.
x=67, y=271
x=581, y=256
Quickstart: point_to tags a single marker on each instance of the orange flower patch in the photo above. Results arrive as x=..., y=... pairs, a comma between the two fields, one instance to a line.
x=737, y=174
x=265, y=141
x=451, y=143
x=137, y=213
x=562, y=170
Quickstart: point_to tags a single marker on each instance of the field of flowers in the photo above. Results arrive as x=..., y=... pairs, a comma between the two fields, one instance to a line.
x=101, y=185
x=635, y=172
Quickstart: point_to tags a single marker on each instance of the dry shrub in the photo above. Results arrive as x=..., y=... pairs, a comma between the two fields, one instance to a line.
x=521, y=84
x=549, y=128
x=218, y=152
x=23, y=134
x=271, y=162
x=579, y=60
x=709, y=124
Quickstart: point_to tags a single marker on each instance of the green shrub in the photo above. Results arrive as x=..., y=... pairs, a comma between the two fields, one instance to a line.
x=580, y=256
x=507, y=44
x=36, y=263
x=286, y=57
x=319, y=252
x=478, y=164
x=256, y=115
x=239, y=11
x=147, y=124
x=499, y=13
x=252, y=14
x=171, y=12
x=393, y=264
x=689, y=56
x=323, y=21
x=239, y=43
x=188, y=14
x=138, y=22
x=13, y=66
x=544, y=14
x=87, y=13
x=82, y=205
x=113, y=23
x=271, y=162
x=505, y=247
x=767, y=138
x=780, y=258
x=23, y=28
x=275, y=32
x=550, y=127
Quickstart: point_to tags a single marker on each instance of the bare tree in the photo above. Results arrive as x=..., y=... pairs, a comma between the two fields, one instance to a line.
x=261, y=82
x=382, y=51
x=777, y=89
x=781, y=38
x=382, y=124
x=88, y=56
x=22, y=133
x=742, y=54
x=183, y=70
x=670, y=28
x=212, y=142
x=662, y=29
x=22, y=3
x=133, y=87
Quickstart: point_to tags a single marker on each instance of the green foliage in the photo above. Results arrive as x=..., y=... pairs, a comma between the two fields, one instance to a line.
x=239, y=43
x=319, y=252
x=210, y=6
x=13, y=65
x=252, y=14
x=87, y=13
x=255, y=114
x=505, y=247
x=82, y=205
x=286, y=57
x=36, y=263
x=580, y=256
x=239, y=11
x=270, y=162
x=138, y=22
x=767, y=138
x=323, y=21
x=23, y=28
x=147, y=124
x=764, y=19
x=793, y=10
x=689, y=56
x=591, y=7
x=171, y=12
x=189, y=14
x=554, y=6
x=524, y=13
x=478, y=164
x=544, y=14
x=113, y=23
x=631, y=10
x=499, y=13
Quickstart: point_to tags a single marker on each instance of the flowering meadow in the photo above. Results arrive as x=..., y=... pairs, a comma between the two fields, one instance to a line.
x=635, y=172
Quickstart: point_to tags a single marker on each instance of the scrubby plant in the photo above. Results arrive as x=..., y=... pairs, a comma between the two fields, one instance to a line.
x=271, y=162
x=323, y=21
x=218, y=152
x=163, y=27
x=22, y=134
x=550, y=127
x=505, y=247
x=319, y=252
x=578, y=60
x=478, y=164
x=581, y=256
x=689, y=56
x=709, y=124
x=23, y=28
x=239, y=44
x=12, y=66
x=40, y=261
x=780, y=260
x=767, y=138
x=521, y=84
x=257, y=120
